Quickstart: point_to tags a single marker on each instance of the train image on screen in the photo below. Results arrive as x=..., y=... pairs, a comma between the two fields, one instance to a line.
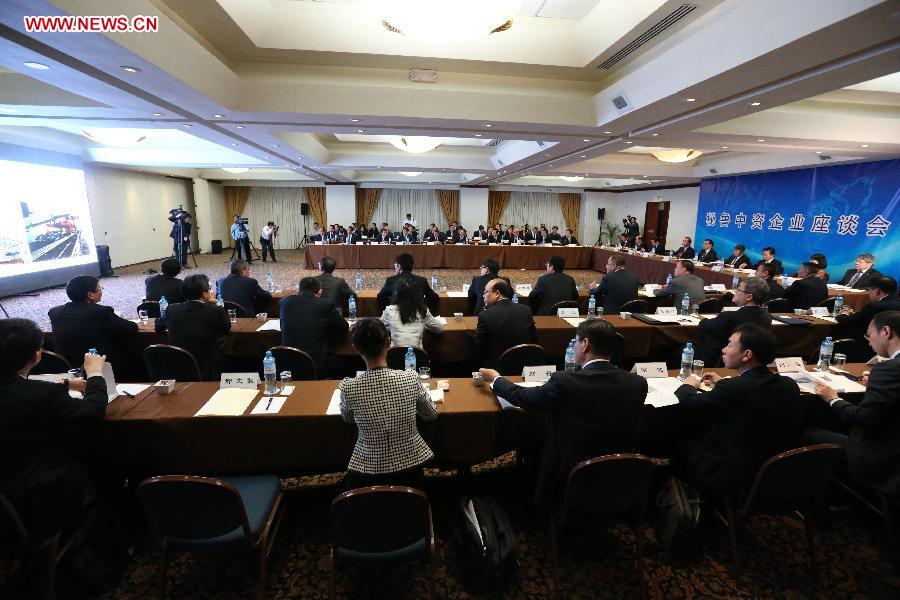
x=56, y=237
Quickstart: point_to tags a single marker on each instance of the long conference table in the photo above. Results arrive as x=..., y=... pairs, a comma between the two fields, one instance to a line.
x=160, y=434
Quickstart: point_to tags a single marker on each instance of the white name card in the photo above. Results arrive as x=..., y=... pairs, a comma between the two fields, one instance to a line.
x=650, y=370
x=666, y=258
x=666, y=310
x=523, y=288
x=717, y=268
x=717, y=287
x=239, y=380
x=570, y=313
x=318, y=243
x=504, y=241
x=541, y=373
x=650, y=287
x=466, y=287
x=360, y=243
x=819, y=310
x=789, y=364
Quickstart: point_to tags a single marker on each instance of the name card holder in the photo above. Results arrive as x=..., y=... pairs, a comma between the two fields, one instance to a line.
x=466, y=287
x=666, y=258
x=789, y=364
x=651, y=370
x=540, y=373
x=247, y=381
x=666, y=310
x=360, y=243
x=523, y=289
x=717, y=287
x=317, y=243
x=821, y=311
x=567, y=313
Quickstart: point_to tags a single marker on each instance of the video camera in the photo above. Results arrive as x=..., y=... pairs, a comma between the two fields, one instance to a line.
x=243, y=220
x=177, y=214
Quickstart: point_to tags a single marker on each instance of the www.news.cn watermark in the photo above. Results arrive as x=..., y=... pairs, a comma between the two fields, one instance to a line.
x=92, y=24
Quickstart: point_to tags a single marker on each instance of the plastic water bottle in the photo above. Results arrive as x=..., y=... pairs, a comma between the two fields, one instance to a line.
x=685, y=304
x=359, y=281
x=270, y=373
x=825, y=352
x=434, y=280
x=735, y=281
x=592, y=306
x=570, y=356
x=93, y=351
x=351, y=312
x=219, y=300
x=687, y=361
x=270, y=283
x=784, y=281
x=669, y=279
x=163, y=305
x=409, y=361
x=838, y=304
x=515, y=298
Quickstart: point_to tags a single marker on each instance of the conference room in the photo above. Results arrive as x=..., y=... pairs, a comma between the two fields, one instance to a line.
x=555, y=298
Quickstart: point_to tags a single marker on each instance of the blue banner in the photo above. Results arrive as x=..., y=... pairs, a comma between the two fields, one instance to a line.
x=841, y=211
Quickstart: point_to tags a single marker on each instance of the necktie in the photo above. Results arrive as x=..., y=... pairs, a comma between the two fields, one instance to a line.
x=854, y=279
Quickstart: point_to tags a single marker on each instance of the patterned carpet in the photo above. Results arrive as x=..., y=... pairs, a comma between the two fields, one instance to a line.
x=125, y=291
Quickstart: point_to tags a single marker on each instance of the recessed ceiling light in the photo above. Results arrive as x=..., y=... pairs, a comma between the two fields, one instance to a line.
x=585, y=140
x=608, y=132
x=724, y=147
x=818, y=152
x=629, y=142
x=864, y=146
x=354, y=120
x=36, y=65
x=274, y=145
x=130, y=69
x=583, y=156
x=655, y=134
x=360, y=131
x=188, y=125
x=234, y=144
x=8, y=110
x=268, y=157
x=488, y=125
x=690, y=99
x=755, y=103
x=157, y=114
x=760, y=140
x=218, y=116
x=477, y=135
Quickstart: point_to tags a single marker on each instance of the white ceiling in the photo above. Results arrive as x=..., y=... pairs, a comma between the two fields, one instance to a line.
x=310, y=91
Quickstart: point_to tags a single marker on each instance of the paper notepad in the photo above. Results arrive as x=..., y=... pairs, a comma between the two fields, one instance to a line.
x=573, y=321
x=230, y=402
x=271, y=325
x=273, y=407
x=661, y=391
x=334, y=406
x=457, y=294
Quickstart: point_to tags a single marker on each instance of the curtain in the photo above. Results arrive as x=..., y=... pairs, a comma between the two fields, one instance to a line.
x=570, y=206
x=449, y=201
x=235, y=201
x=366, y=203
x=532, y=208
x=497, y=203
x=281, y=205
x=422, y=204
x=316, y=198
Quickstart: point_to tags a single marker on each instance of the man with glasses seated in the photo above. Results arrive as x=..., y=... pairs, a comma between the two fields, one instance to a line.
x=83, y=323
x=490, y=269
x=749, y=295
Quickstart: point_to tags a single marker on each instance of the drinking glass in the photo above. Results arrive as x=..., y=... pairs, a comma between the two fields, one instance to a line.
x=232, y=315
x=838, y=361
x=697, y=368
x=286, y=377
x=424, y=373
x=695, y=309
x=143, y=316
x=598, y=312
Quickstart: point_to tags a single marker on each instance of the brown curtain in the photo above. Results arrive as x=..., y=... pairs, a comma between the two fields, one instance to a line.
x=316, y=198
x=497, y=203
x=570, y=205
x=235, y=202
x=366, y=203
x=449, y=201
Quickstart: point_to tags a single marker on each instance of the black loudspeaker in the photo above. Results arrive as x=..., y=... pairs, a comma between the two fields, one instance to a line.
x=217, y=246
x=104, y=261
x=304, y=209
x=601, y=213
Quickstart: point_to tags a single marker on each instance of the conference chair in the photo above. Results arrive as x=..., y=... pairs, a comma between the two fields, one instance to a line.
x=777, y=305
x=203, y=514
x=710, y=306
x=151, y=306
x=638, y=306
x=51, y=363
x=602, y=491
x=827, y=303
x=298, y=362
x=397, y=354
x=618, y=352
x=239, y=310
x=17, y=543
x=883, y=506
x=381, y=526
x=789, y=483
x=164, y=361
x=845, y=346
x=563, y=304
x=516, y=358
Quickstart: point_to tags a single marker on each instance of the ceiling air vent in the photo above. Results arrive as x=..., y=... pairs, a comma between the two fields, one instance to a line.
x=666, y=22
x=493, y=143
x=824, y=157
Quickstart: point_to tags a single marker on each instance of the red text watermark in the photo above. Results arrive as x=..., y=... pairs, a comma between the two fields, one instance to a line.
x=92, y=24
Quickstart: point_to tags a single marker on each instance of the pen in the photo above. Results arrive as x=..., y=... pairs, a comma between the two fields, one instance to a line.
x=269, y=403
x=129, y=394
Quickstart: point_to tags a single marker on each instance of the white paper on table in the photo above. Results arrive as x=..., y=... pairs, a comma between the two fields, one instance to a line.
x=334, y=405
x=788, y=364
x=649, y=287
x=270, y=325
x=287, y=391
x=440, y=319
x=681, y=319
x=437, y=396
x=717, y=287
x=661, y=391
x=645, y=293
x=131, y=388
x=228, y=402
x=804, y=379
x=574, y=322
x=839, y=383
x=826, y=317
x=455, y=294
x=273, y=408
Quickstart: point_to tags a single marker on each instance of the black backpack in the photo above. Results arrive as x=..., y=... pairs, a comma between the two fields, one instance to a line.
x=488, y=552
x=677, y=519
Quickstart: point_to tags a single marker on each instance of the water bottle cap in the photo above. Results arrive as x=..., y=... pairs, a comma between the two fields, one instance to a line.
x=689, y=345
x=409, y=349
x=268, y=353
x=828, y=338
x=92, y=351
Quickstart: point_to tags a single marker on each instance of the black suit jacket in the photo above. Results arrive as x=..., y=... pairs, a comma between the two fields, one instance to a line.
x=855, y=325
x=387, y=291
x=804, y=293
x=567, y=241
x=501, y=326
x=244, y=291
x=738, y=262
x=352, y=238
x=615, y=289
x=428, y=236
x=779, y=269
x=658, y=249
x=745, y=420
x=80, y=326
x=335, y=290
x=775, y=289
x=716, y=331
x=594, y=411
x=874, y=449
x=684, y=253
x=708, y=255
x=311, y=324
x=863, y=281
x=550, y=289
x=476, y=291
x=160, y=285
x=198, y=327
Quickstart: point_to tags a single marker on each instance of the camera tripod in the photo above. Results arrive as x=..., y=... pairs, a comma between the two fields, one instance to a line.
x=179, y=244
x=251, y=245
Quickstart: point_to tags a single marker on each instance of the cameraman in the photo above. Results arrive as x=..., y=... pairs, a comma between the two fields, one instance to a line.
x=180, y=234
x=241, y=241
x=267, y=239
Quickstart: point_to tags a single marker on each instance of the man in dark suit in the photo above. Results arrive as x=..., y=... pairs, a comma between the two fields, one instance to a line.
x=656, y=247
x=373, y=232
x=43, y=481
x=738, y=260
x=569, y=239
x=502, y=324
x=240, y=288
x=617, y=287
x=83, y=324
x=683, y=282
x=462, y=236
x=353, y=236
x=594, y=410
x=768, y=258
x=862, y=273
x=552, y=287
x=554, y=234
x=873, y=446
x=746, y=419
x=809, y=289
x=766, y=272
x=198, y=325
x=749, y=295
x=882, y=297
x=708, y=254
x=686, y=250
x=385, y=236
x=310, y=323
x=403, y=267
x=334, y=289
x=321, y=236
x=433, y=235
x=165, y=283
x=490, y=269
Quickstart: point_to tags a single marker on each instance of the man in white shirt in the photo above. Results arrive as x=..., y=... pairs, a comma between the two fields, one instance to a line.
x=267, y=239
x=409, y=221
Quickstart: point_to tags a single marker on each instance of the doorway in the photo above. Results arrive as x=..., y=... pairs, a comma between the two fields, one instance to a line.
x=656, y=221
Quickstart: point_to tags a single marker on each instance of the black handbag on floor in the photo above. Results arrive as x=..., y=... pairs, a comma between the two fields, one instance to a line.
x=678, y=518
x=488, y=551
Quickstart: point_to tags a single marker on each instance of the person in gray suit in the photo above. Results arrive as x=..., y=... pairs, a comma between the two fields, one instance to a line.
x=684, y=282
x=334, y=289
